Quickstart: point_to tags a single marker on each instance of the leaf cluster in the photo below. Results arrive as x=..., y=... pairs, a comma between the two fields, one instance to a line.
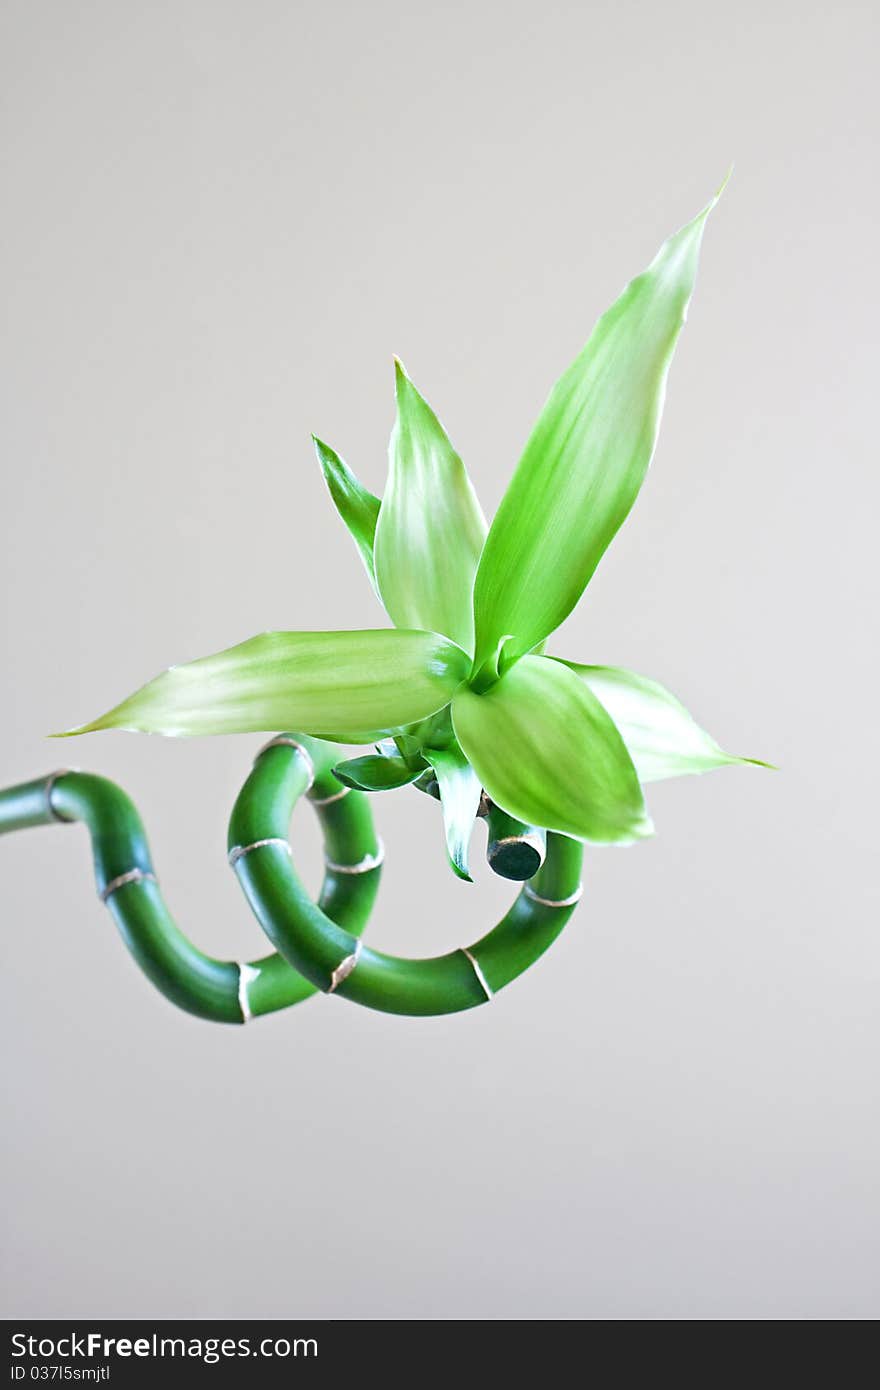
x=459, y=694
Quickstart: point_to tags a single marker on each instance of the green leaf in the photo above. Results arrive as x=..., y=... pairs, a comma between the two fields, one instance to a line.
x=358, y=508
x=662, y=738
x=359, y=684
x=376, y=773
x=460, y=790
x=435, y=732
x=431, y=529
x=585, y=460
x=548, y=753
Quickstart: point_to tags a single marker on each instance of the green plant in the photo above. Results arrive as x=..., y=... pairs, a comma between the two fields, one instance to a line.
x=459, y=698
x=460, y=692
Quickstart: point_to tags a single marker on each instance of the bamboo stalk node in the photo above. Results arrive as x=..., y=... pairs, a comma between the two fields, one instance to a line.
x=238, y=851
x=285, y=741
x=130, y=876
x=50, y=783
x=246, y=974
x=344, y=969
x=366, y=865
x=478, y=971
x=570, y=901
x=328, y=800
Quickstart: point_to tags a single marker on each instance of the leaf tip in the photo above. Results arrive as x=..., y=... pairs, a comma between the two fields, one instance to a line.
x=716, y=196
x=323, y=451
x=644, y=828
x=93, y=727
x=725, y=181
x=401, y=376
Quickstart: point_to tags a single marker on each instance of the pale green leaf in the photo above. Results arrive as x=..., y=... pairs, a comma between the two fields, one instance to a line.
x=358, y=508
x=548, y=753
x=662, y=738
x=431, y=529
x=360, y=685
x=585, y=460
x=376, y=772
x=355, y=736
x=460, y=791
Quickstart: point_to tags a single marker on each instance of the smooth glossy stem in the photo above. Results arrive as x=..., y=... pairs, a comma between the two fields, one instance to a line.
x=331, y=957
x=222, y=991
x=318, y=944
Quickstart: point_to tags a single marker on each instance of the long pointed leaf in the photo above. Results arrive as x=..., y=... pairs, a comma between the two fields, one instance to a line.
x=460, y=791
x=548, y=753
x=431, y=529
x=357, y=506
x=359, y=684
x=662, y=738
x=585, y=461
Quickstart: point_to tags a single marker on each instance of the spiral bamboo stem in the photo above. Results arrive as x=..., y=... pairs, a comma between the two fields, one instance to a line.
x=318, y=945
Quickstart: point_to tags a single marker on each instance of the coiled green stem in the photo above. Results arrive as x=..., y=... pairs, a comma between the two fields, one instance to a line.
x=219, y=990
x=318, y=945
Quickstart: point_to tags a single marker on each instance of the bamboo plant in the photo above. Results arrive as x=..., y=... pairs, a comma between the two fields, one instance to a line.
x=458, y=697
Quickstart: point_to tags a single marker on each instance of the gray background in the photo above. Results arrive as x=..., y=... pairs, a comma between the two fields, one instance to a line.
x=221, y=220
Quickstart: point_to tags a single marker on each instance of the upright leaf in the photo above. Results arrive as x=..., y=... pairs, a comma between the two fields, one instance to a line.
x=662, y=738
x=431, y=529
x=548, y=753
x=460, y=791
x=357, y=506
x=585, y=461
x=357, y=684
